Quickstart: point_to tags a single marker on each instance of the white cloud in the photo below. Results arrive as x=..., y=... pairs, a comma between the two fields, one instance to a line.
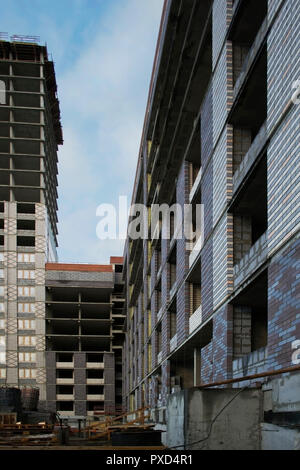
x=103, y=100
x=79, y=231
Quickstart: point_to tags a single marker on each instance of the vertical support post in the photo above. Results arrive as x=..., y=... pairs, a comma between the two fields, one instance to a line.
x=197, y=367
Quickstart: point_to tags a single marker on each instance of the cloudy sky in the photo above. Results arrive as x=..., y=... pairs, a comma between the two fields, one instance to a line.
x=103, y=52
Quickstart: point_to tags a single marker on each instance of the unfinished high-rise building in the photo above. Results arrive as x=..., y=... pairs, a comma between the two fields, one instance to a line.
x=30, y=132
x=221, y=130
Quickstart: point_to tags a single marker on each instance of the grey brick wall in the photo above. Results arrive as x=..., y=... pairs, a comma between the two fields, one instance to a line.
x=79, y=276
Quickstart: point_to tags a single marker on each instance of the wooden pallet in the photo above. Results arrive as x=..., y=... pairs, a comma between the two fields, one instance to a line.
x=105, y=428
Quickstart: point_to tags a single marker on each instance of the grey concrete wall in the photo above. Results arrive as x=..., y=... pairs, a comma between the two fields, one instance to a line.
x=279, y=438
x=175, y=419
x=286, y=393
x=190, y=415
x=79, y=276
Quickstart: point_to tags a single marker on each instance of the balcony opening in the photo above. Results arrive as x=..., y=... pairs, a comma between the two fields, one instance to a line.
x=243, y=32
x=94, y=374
x=59, y=311
x=62, y=294
x=64, y=373
x=23, y=100
x=5, y=194
x=23, y=84
x=64, y=389
x=95, y=295
x=94, y=390
x=173, y=325
x=25, y=241
x=4, y=146
x=118, y=268
x=159, y=338
x=119, y=391
x=203, y=63
x=94, y=328
x=26, y=131
x=4, y=114
x=64, y=357
x=95, y=406
x=249, y=112
x=96, y=358
x=5, y=163
x=172, y=265
x=25, y=208
x=26, y=70
x=65, y=406
x=173, y=320
x=250, y=318
x=193, y=173
x=27, y=179
x=181, y=373
x=25, y=224
x=95, y=343
x=242, y=139
x=28, y=194
x=27, y=116
x=30, y=147
x=195, y=297
x=62, y=327
x=62, y=343
x=4, y=178
x=250, y=213
x=25, y=162
x=194, y=156
x=158, y=297
x=4, y=130
x=4, y=68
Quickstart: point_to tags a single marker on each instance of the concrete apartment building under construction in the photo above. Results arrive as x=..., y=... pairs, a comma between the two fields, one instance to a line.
x=222, y=130
x=60, y=325
x=84, y=338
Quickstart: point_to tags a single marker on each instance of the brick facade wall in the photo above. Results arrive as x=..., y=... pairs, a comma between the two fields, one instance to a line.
x=284, y=306
x=227, y=237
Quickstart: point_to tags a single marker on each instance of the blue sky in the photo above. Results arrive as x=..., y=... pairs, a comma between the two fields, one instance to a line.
x=103, y=52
